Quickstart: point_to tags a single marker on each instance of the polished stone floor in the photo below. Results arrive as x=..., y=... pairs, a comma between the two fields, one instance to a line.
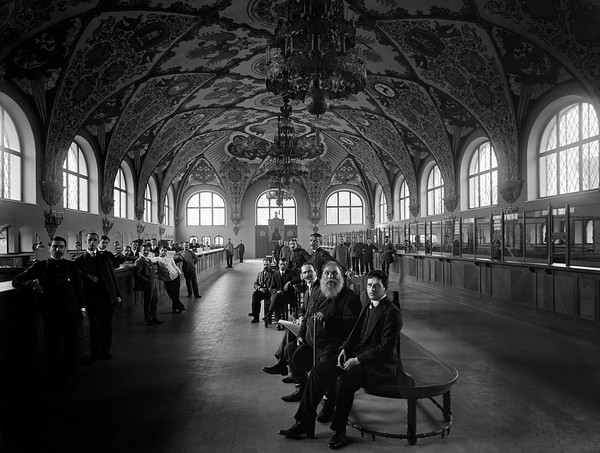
x=194, y=384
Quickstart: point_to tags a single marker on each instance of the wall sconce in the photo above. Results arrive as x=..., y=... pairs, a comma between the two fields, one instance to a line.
x=141, y=226
x=52, y=220
x=107, y=224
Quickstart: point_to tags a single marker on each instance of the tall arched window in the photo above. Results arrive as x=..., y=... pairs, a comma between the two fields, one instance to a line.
x=75, y=180
x=10, y=158
x=569, y=155
x=147, y=205
x=120, y=195
x=404, y=202
x=435, y=192
x=483, y=177
x=205, y=209
x=219, y=241
x=267, y=208
x=167, y=211
x=383, y=209
x=344, y=208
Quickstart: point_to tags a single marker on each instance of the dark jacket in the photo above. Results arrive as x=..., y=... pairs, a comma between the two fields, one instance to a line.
x=61, y=284
x=377, y=348
x=340, y=313
x=101, y=268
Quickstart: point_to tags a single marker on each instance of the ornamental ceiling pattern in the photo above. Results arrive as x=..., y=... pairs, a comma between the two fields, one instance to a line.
x=176, y=88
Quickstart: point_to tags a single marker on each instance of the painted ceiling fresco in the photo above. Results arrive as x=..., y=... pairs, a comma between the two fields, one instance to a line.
x=177, y=87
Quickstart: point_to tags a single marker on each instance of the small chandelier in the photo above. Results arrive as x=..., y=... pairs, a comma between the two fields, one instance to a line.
x=312, y=58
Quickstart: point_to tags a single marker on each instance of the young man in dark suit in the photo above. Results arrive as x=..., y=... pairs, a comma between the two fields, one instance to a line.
x=101, y=294
x=368, y=357
x=147, y=274
x=61, y=304
x=282, y=292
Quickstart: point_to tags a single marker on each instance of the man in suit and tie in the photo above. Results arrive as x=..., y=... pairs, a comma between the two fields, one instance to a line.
x=101, y=294
x=61, y=304
x=229, y=253
x=282, y=292
x=147, y=274
x=261, y=290
x=368, y=357
x=116, y=260
x=188, y=266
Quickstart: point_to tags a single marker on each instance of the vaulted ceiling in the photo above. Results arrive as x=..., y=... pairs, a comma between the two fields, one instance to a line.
x=178, y=87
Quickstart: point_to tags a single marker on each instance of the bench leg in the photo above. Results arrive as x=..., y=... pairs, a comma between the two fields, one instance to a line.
x=411, y=430
x=447, y=410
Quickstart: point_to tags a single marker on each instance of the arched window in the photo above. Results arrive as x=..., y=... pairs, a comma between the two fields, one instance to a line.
x=382, y=208
x=435, y=192
x=267, y=208
x=147, y=205
x=569, y=155
x=219, y=241
x=167, y=211
x=10, y=157
x=483, y=177
x=344, y=208
x=4, y=241
x=206, y=240
x=205, y=209
x=75, y=179
x=120, y=195
x=404, y=202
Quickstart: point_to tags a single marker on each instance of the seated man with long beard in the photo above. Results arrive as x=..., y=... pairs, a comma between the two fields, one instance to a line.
x=335, y=313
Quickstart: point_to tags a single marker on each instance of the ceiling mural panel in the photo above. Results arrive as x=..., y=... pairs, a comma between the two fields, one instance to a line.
x=368, y=160
x=407, y=8
x=23, y=20
x=346, y=173
x=227, y=91
x=212, y=47
x=35, y=68
x=189, y=152
x=234, y=119
x=381, y=57
x=569, y=28
x=460, y=59
x=410, y=105
x=114, y=50
x=152, y=102
x=197, y=6
x=202, y=173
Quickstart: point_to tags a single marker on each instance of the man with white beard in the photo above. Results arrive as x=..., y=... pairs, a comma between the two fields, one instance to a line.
x=335, y=315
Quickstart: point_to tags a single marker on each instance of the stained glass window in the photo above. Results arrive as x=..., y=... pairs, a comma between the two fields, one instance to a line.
x=435, y=192
x=344, y=208
x=205, y=209
x=483, y=177
x=10, y=158
x=569, y=158
x=267, y=208
x=120, y=195
x=75, y=179
x=404, y=202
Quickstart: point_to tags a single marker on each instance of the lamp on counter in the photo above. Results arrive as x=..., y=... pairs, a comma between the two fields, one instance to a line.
x=313, y=57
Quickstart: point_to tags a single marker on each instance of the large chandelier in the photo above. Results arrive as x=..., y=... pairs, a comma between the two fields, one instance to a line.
x=312, y=58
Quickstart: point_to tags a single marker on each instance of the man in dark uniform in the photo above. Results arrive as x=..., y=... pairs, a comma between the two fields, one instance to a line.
x=282, y=293
x=116, y=260
x=148, y=274
x=241, y=248
x=368, y=357
x=101, y=294
x=61, y=304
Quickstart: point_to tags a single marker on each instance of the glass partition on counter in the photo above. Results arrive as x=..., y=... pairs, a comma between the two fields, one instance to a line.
x=436, y=237
x=513, y=236
x=468, y=237
x=584, y=236
x=536, y=236
x=483, y=237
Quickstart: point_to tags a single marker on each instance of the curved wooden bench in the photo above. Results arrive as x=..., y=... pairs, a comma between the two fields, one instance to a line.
x=421, y=375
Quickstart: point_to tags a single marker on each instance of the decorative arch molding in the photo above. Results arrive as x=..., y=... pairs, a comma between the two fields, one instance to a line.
x=28, y=130
x=130, y=182
x=554, y=101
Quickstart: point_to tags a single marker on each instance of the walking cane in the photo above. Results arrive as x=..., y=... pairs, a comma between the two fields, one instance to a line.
x=314, y=340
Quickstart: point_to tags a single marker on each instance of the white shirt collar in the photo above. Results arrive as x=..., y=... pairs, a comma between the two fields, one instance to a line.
x=376, y=302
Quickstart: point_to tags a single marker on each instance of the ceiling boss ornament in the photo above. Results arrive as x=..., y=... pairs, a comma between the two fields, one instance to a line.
x=313, y=57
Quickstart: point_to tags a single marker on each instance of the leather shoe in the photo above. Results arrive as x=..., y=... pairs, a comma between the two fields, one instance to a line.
x=254, y=321
x=299, y=431
x=326, y=413
x=338, y=440
x=288, y=380
x=295, y=396
x=278, y=368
